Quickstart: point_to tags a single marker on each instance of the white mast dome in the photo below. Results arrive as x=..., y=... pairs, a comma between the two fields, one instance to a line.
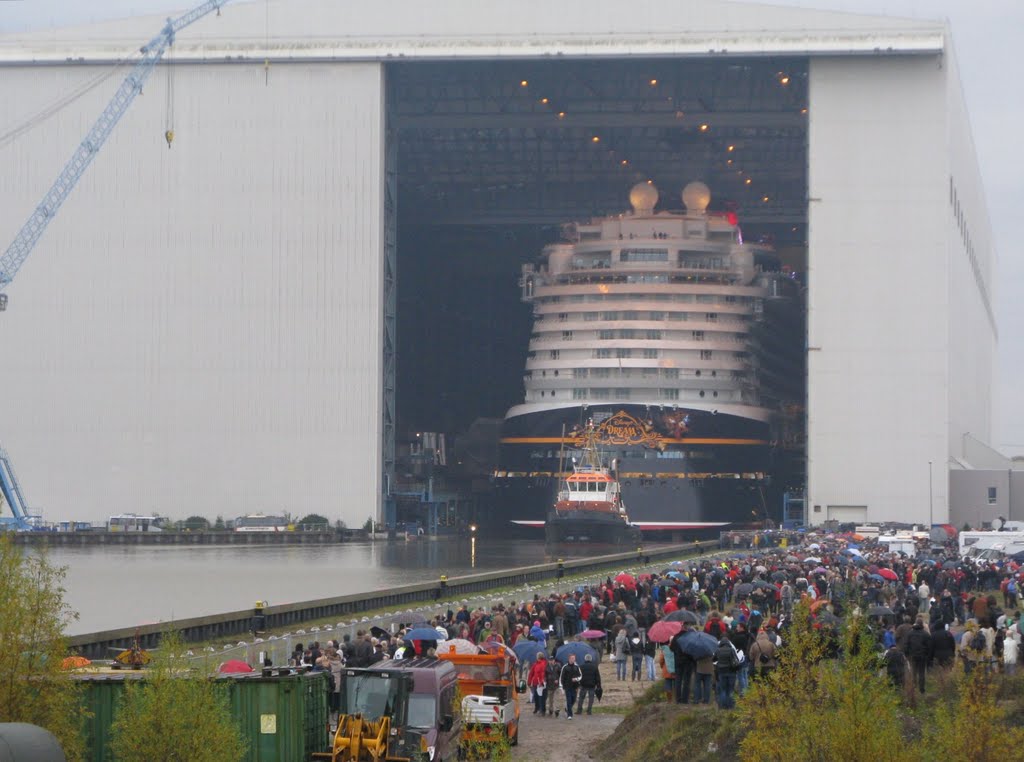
x=643, y=197
x=696, y=197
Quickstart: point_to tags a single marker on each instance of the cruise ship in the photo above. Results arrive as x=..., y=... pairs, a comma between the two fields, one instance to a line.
x=680, y=346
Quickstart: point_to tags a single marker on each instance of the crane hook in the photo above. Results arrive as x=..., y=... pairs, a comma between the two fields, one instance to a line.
x=169, y=137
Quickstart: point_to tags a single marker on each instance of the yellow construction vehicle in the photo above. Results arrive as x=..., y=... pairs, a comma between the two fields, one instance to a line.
x=360, y=739
x=397, y=711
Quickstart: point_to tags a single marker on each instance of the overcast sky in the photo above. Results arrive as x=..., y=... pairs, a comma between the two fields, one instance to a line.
x=985, y=33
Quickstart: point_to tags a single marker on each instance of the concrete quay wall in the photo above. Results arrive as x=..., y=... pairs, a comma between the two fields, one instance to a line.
x=77, y=539
x=232, y=624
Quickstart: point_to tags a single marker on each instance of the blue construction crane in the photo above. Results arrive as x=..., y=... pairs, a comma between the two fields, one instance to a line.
x=152, y=52
x=10, y=490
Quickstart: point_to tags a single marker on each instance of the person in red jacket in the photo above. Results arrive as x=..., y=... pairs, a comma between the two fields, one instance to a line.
x=537, y=681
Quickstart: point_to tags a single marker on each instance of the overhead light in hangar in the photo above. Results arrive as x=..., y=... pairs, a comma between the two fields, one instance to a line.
x=764, y=199
x=704, y=127
x=653, y=82
x=523, y=83
x=544, y=101
x=748, y=181
x=561, y=115
x=730, y=149
x=595, y=139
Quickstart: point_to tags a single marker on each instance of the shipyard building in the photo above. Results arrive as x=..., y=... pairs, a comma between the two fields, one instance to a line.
x=329, y=254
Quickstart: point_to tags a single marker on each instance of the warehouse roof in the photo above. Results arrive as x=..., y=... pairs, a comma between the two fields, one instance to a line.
x=332, y=30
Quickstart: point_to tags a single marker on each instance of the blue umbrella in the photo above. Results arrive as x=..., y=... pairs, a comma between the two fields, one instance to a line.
x=527, y=651
x=580, y=649
x=675, y=575
x=876, y=577
x=697, y=644
x=422, y=633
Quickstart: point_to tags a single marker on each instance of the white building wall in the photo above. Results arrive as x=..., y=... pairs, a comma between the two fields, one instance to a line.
x=878, y=296
x=199, y=329
x=972, y=262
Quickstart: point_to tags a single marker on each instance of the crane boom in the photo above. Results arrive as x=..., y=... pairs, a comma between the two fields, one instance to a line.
x=26, y=239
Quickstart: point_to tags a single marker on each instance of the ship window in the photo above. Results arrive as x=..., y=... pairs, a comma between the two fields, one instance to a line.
x=599, y=394
x=577, y=298
x=563, y=316
x=566, y=335
x=677, y=316
x=623, y=353
x=657, y=316
x=684, y=297
x=712, y=317
x=698, y=335
x=622, y=394
x=627, y=333
x=654, y=335
x=643, y=255
x=580, y=372
x=609, y=315
x=606, y=335
x=705, y=354
x=650, y=354
x=602, y=354
x=579, y=394
x=705, y=299
x=670, y=394
x=992, y=496
x=554, y=354
x=602, y=372
x=671, y=372
x=590, y=317
x=601, y=487
x=701, y=393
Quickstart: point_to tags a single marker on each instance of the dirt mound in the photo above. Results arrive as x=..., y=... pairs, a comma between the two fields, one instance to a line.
x=661, y=731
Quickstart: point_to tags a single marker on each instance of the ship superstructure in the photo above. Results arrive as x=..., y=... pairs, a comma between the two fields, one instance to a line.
x=658, y=327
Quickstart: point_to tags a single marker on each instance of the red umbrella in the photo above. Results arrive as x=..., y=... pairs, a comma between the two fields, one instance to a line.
x=592, y=634
x=626, y=580
x=663, y=631
x=888, y=574
x=234, y=666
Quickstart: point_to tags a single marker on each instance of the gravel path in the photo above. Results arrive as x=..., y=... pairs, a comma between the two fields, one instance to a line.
x=547, y=738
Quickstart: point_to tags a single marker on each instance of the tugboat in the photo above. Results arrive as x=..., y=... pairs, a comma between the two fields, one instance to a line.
x=589, y=506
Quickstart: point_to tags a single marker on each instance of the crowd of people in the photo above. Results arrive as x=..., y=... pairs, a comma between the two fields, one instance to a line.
x=710, y=627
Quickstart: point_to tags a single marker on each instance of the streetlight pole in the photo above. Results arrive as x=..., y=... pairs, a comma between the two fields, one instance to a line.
x=931, y=501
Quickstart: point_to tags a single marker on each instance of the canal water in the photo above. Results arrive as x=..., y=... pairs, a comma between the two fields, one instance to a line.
x=113, y=587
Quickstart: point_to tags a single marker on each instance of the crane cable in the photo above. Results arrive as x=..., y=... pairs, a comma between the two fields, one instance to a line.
x=58, y=105
x=169, y=120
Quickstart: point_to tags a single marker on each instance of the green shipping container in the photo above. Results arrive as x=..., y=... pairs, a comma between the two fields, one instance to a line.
x=283, y=718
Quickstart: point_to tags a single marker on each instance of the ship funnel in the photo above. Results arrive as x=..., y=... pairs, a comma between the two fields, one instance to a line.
x=643, y=197
x=696, y=197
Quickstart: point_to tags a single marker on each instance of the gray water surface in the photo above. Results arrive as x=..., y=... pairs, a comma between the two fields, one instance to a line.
x=113, y=587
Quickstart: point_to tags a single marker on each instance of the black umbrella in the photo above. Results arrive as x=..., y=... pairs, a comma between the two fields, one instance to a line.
x=950, y=565
x=763, y=583
x=880, y=611
x=682, y=615
x=743, y=589
x=779, y=576
x=379, y=632
x=699, y=645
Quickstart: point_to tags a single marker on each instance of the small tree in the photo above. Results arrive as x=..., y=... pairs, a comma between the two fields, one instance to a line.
x=196, y=524
x=314, y=521
x=175, y=715
x=33, y=616
x=218, y=525
x=975, y=727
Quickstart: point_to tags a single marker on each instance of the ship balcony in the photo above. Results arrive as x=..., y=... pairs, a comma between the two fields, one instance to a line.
x=565, y=364
x=637, y=380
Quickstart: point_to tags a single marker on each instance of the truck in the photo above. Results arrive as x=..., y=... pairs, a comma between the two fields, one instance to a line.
x=490, y=699
x=988, y=539
x=397, y=711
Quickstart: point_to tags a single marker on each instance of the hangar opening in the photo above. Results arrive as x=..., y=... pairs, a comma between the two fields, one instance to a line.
x=493, y=158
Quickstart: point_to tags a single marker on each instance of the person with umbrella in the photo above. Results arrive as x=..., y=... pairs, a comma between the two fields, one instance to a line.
x=684, y=664
x=570, y=678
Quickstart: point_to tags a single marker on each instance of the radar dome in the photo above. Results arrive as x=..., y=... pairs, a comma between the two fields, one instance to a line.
x=643, y=197
x=696, y=197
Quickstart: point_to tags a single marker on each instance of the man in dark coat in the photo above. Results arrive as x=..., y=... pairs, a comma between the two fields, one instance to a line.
x=918, y=648
x=943, y=646
x=589, y=684
x=685, y=666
